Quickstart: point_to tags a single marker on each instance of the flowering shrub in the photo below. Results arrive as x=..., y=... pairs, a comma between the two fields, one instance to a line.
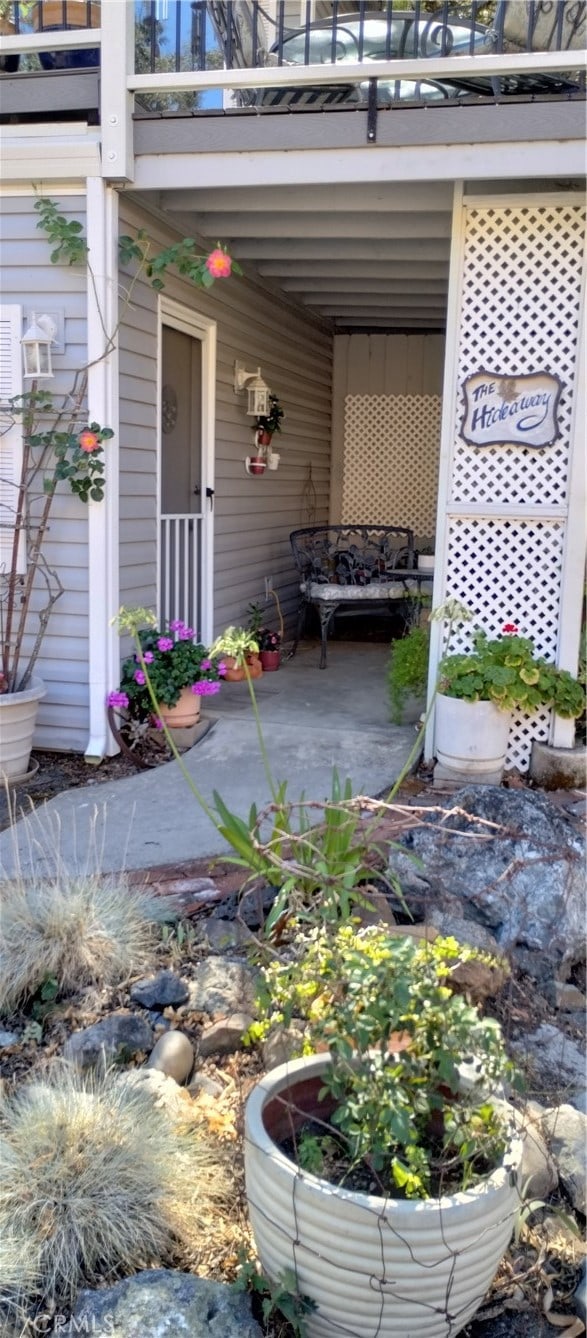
x=508, y=672
x=173, y=660
x=268, y=640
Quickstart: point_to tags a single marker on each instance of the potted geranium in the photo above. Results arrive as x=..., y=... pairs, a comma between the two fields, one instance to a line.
x=181, y=672
x=377, y=1169
x=479, y=689
x=269, y=649
x=266, y=424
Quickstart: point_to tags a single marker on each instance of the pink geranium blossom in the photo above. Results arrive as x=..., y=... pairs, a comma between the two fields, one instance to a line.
x=139, y=677
x=165, y=643
x=117, y=699
x=148, y=657
x=205, y=688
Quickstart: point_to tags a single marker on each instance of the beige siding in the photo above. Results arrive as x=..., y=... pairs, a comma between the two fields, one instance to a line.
x=403, y=364
x=27, y=277
x=253, y=516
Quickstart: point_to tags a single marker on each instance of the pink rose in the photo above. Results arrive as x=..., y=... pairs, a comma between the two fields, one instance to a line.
x=219, y=264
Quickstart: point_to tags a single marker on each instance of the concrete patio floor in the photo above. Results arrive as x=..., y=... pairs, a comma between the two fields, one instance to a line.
x=313, y=720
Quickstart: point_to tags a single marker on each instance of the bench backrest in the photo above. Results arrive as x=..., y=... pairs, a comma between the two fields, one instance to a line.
x=352, y=554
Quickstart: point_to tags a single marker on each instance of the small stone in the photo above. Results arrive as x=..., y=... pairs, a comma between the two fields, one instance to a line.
x=282, y=1044
x=160, y=1303
x=568, y=998
x=162, y=1088
x=220, y=987
x=566, y=1132
x=165, y=990
x=115, y=1038
x=202, y=1083
x=219, y=935
x=7, y=1038
x=225, y=1036
x=173, y=1054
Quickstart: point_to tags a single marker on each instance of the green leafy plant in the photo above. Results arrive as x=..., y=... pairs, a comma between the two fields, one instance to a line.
x=508, y=672
x=281, y=1297
x=407, y=672
x=397, y=1033
x=271, y=421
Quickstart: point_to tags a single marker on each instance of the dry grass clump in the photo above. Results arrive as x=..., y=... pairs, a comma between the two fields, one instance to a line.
x=77, y=929
x=96, y=1181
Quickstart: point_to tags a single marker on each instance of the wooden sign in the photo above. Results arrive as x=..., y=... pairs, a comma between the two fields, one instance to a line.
x=517, y=410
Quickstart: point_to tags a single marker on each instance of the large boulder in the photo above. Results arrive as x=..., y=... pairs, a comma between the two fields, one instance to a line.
x=565, y=1130
x=553, y=1066
x=163, y=1304
x=515, y=865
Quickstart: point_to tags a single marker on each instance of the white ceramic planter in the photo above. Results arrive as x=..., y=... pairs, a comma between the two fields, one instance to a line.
x=376, y=1268
x=18, y=716
x=425, y=561
x=471, y=739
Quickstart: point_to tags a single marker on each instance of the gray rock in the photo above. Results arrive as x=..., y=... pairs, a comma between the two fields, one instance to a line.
x=225, y=1036
x=553, y=1065
x=538, y=1174
x=282, y=1044
x=220, y=987
x=465, y=931
x=568, y=998
x=202, y=1083
x=163, y=1304
x=165, y=990
x=115, y=1038
x=565, y=1130
x=525, y=882
x=173, y=1054
x=162, y=1089
x=221, y=935
x=7, y=1038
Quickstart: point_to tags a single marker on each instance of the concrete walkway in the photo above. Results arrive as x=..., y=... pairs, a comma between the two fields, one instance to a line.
x=312, y=721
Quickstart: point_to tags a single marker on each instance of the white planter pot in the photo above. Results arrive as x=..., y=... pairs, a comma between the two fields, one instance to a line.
x=471, y=739
x=376, y=1268
x=426, y=562
x=18, y=716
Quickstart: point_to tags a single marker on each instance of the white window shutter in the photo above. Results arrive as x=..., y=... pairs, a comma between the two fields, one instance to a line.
x=10, y=433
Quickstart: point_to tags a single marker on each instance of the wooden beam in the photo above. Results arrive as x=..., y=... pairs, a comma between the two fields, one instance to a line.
x=383, y=197
x=320, y=248
x=270, y=224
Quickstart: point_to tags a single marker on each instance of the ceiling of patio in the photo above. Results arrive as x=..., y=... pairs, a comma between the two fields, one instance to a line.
x=364, y=257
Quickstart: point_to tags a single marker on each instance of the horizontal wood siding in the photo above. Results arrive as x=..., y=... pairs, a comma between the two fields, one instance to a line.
x=27, y=277
x=370, y=364
x=253, y=516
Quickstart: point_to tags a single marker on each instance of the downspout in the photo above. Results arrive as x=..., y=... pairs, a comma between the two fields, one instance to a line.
x=103, y=583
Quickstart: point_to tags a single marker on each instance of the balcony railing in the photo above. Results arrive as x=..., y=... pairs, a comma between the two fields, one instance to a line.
x=197, y=56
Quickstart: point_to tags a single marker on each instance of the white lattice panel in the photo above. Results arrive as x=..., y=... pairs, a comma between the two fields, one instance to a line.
x=391, y=454
x=521, y=298
x=521, y=292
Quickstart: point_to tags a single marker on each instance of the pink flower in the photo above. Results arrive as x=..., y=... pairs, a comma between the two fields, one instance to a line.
x=157, y=722
x=221, y=668
x=510, y=628
x=139, y=677
x=88, y=441
x=206, y=664
x=165, y=643
x=148, y=656
x=185, y=633
x=177, y=625
x=219, y=264
x=117, y=699
x=205, y=688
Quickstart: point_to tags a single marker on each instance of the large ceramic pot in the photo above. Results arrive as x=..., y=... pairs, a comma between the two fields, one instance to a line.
x=471, y=739
x=374, y=1267
x=186, y=711
x=18, y=717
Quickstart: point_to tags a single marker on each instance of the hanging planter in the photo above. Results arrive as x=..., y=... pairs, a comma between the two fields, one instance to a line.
x=371, y=1265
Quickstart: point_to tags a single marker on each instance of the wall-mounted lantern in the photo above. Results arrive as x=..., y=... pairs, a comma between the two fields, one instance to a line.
x=36, y=348
x=257, y=389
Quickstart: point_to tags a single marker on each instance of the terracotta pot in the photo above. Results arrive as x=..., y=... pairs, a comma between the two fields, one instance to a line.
x=186, y=711
x=233, y=672
x=254, y=665
x=270, y=660
x=264, y=438
x=257, y=465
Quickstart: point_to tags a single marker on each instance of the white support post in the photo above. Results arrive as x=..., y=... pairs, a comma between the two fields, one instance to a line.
x=449, y=403
x=573, y=568
x=103, y=586
x=116, y=102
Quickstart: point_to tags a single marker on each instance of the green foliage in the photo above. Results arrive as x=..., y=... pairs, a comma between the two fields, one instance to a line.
x=96, y=1181
x=64, y=235
x=270, y=422
x=238, y=643
x=281, y=1297
x=384, y=1009
x=60, y=935
x=407, y=672
x=182, y=256
x=508, y=672
x=174, y=661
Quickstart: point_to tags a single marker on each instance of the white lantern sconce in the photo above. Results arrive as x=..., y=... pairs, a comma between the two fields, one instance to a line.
x=258, y=391
x=36, y=348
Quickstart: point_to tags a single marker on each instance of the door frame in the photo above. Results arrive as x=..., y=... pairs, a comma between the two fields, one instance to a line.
x=179, y=317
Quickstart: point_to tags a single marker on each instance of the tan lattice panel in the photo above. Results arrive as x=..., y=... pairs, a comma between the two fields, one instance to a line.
x=520, y=310
x=391, y=453
x=509, y=571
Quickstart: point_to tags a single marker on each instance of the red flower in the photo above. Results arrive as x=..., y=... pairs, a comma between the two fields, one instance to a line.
x=88, y=441
x=510, y=628
x=219, y=264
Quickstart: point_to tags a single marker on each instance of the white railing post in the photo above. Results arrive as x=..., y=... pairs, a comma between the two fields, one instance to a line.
x=116, y=102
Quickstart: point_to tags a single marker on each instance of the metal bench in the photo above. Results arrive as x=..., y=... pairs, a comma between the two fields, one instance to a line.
x=352, y=567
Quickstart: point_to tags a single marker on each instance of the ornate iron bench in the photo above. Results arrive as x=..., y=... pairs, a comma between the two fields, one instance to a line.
x=352, y=566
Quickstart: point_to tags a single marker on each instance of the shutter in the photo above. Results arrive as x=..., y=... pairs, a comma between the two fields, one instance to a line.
x=10, y=433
